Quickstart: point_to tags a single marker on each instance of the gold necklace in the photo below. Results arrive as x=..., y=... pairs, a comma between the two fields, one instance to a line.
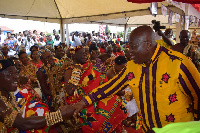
x=10, y=103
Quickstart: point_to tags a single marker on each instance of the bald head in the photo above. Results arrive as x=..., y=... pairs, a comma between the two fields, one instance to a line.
x=142, y=33
x=142, y=44
x=184, y=37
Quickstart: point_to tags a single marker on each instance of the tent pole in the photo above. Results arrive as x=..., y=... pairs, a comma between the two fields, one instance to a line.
x=125, y=32
x=178, y=30
x=62, y=29
x=67, y=35
x=186, y=26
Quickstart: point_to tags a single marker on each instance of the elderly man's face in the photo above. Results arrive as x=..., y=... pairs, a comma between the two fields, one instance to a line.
x=47, y=58
x=184, y=37
x=138, y=48
x=80, y=56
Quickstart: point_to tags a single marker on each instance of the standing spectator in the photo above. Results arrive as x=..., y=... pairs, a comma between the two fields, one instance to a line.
x=54, y=35
x=41, y=42
x=76, y=39
x=10, y=42
x=35, y=33
x=184, y=40
x=42, y=35
x=49, y=40
x=34, y=39
x=83, y=38
x=57, y=41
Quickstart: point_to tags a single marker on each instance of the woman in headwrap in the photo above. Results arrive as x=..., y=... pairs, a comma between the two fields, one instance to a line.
x=80, y=79
x=36, y=59
x=18, y=110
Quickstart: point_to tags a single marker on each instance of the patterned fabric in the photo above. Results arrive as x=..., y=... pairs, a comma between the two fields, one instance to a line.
x=29, y=70
x=31, y=90
x=164, y=44
x=48, y=99
x=100, y=66
x=10, y=43
x=30, y=108
x=166, y=91
x=40, y=64
x=103, y=116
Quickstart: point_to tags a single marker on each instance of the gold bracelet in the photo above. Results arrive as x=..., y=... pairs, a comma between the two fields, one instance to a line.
x=60, y=116
x=53, y=118
x=74, y=82
x=9, y=119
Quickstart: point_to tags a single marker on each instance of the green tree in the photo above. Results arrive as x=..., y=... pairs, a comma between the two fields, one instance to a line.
x=121, y=34
x=107, y=29
x=129, y=30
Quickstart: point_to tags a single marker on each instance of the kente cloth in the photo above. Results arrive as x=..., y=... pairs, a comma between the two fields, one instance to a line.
x=48, y=99
x=102, y=116
x=29, y=70
x=166, y=91
x=102, y=50
x=102, y=68
x=30, y=107
x=30, y=89
x=38, y=65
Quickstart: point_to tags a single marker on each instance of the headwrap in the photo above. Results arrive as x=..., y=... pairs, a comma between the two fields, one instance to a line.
x=5, y=64
x=75, y=49
x=42, y=51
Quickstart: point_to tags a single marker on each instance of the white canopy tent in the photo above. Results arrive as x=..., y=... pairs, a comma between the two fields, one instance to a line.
x=79, y=11
x=72, y=11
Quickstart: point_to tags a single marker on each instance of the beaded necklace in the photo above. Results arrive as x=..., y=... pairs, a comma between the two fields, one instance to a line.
x=113, y=67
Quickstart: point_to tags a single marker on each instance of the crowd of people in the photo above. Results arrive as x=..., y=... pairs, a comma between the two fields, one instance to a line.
x=99, y=83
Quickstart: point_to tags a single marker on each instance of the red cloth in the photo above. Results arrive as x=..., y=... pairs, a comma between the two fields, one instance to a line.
x=102, y=116
x=102, y=50
x=121, y=53
x=149, y=1
x=197, y=6
x=117, y=45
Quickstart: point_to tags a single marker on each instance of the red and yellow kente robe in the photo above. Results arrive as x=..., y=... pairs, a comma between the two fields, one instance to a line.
x=102, y=116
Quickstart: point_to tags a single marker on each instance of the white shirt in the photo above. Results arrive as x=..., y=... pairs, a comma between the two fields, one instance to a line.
x=56, y=43
x=77, y=41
